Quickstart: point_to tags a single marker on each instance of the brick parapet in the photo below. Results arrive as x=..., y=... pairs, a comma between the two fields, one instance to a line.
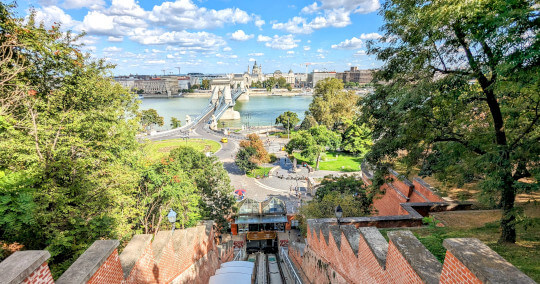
x=352, y=255
x=26, y=267
x=189, y=254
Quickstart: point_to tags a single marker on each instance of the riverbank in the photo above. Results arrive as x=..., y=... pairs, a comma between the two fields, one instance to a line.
x=253, y=92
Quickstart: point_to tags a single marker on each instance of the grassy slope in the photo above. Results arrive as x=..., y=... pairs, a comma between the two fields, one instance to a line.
x=259, y=172
x=158, y=149
x=331, y=163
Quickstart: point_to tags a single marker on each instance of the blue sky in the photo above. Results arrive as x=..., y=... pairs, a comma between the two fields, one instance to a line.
x=220, y=36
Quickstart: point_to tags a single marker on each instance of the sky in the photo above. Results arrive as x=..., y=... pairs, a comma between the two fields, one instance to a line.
x=218, y=36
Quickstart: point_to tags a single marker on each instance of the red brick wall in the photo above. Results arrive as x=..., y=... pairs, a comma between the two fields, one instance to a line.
x=325, y=263
x=42, y=275
x=109, y=272
x=426, y=192
x=455, y=272
x=389, y=203
x=398, y=270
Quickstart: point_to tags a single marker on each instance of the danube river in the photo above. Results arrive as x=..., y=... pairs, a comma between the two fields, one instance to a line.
x=259, y=110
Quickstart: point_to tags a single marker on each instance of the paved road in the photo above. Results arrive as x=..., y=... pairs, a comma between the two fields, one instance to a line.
x=254, y=189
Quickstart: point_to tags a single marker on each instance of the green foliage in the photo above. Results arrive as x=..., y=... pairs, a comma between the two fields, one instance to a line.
x=325, y=208
x=205, y=85
x=288, y=119
x=332, y=105
x=308, y=122
x=461, y=96
x=150, y=117
x=344, y=185
x=313, y=142
x=175, y=122
x=243, y=159
x=357, y=140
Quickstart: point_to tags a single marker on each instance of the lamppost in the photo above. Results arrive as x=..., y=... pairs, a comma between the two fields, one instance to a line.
x=339, y=213
x=172, y=218
x=288, y=127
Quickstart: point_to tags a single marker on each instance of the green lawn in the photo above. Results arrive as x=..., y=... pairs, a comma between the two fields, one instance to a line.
x=158, y=149
x=259, y=172
x=525, y=254
x=344, y=162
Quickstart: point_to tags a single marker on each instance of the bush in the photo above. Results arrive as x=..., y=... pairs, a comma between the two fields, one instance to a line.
x=273, y=158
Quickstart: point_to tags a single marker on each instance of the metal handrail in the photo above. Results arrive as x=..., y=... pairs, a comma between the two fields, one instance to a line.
x=290, y=266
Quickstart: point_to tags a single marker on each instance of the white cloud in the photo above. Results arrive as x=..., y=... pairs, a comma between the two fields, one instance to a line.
x=195, y=41
x=170, y=56
x=353, y=43
x=155, y=61
x=337, y=18
x=112, y=49
x=53, y=14
x=296, y=25
x=290, y=52
x=184, y=14
x=96, y=22
x=262, y=38
x=77, y=4
x=306, y=47
x=115, y=38
x=251, y=59
x=259, y=22
x=240, y=35
x=370, y=36
x=126, y=8
x=256, y=54
x=360, y=53
x=356, y=6
x=156, y=50
x=227, y=48
x=320, y=50
x=283, y=42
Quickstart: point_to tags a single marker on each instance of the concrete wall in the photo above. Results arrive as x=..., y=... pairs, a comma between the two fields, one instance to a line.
x=348, y=254
x=185, y=256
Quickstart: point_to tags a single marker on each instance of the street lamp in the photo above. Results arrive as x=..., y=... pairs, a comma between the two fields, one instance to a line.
x=339, y=213
x=172, y=218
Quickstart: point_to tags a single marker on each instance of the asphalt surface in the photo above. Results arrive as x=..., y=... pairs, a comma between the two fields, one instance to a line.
x=255, y=189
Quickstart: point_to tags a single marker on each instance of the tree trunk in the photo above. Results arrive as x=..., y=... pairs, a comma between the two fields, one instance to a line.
x=317, y=164
x=508, y=219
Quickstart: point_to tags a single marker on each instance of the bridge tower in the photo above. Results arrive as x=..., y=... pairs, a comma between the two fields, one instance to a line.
x=215, y=94
x=230, y=113
x=245, y=95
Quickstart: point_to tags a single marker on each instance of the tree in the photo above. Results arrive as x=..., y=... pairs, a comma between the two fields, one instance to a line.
x=313, y=142
x=255, y=142
x=175, y=122
x=194, y=185
x=325, y=208
x=288, y=119
x=357, y=139
x=150, y=117
x=166, y=185
x=67, y=145
x=350, y=184
x=205, y=84
x=244, y=159
x=461, y=97
x=331, y=104
x=270, y=83
x=308, y=122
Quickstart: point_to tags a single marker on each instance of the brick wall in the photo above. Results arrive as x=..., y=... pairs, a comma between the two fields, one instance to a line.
x=110, y=271
x=42, y=275
x=345, y=254
x=187, y=256
x=455, y=272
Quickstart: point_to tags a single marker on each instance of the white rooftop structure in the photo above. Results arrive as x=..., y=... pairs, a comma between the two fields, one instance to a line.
x=233, y=272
